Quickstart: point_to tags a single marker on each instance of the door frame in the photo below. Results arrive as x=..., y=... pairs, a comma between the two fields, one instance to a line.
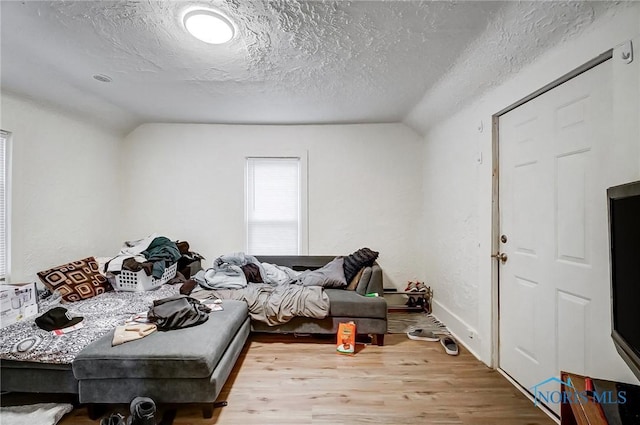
x=495, y=204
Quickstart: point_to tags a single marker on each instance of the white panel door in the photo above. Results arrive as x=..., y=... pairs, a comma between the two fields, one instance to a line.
x=553, y=211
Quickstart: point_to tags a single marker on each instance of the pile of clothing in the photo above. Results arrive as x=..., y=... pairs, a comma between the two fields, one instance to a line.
x=154, y=254
x=235, y=270
x=274, y=294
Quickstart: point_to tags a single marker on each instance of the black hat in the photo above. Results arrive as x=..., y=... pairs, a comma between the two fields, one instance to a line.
x=56, y=318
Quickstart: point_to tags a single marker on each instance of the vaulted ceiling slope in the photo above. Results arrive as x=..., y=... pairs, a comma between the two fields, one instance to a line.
x=291, y=62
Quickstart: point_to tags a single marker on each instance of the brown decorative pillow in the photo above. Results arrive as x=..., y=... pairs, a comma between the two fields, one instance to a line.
x=75, y=281
x=354, y=282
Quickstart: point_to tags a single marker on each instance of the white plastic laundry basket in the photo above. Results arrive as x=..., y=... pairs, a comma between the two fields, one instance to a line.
x=139, y=281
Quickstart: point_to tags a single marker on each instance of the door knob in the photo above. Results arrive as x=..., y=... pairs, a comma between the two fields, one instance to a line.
x=501, y=256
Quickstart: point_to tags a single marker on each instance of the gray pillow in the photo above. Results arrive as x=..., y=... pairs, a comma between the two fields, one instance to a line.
x=330, y=275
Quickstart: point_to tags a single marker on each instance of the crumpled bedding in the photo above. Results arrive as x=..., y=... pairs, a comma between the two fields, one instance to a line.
x=277, y=304
x=276, y=274
x=227, y=272
x=25, y=341
x=130, y=249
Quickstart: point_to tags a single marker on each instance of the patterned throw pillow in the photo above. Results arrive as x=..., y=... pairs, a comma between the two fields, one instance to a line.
x=75, y=281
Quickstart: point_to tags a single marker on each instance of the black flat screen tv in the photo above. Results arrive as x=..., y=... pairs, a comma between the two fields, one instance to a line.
x=624, y=240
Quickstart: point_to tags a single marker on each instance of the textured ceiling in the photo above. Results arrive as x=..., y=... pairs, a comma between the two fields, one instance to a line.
x=516, y=36
x=290, y=62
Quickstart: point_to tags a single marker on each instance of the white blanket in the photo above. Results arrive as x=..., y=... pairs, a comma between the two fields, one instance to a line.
x=131, y=249
x=40, y=414
x=277, y=275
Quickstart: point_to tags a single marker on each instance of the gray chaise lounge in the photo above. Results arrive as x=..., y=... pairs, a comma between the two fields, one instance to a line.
x=187, y=365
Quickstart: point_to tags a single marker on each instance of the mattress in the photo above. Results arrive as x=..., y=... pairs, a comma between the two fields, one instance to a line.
x=25, y=342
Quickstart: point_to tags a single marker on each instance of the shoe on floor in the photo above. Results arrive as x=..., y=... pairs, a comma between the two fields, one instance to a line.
x=450, y=345
x=114, y=419
x=422, y=335
x=143, y=411
x=412, y=287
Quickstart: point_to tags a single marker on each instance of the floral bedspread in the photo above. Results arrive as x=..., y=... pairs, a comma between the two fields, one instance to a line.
x=25, y=341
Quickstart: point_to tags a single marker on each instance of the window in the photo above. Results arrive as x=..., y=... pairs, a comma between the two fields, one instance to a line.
x=273, y=206
x=4, y=185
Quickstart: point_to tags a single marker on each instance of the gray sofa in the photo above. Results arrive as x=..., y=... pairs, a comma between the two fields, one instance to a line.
x=191, y=365
x=368, y=313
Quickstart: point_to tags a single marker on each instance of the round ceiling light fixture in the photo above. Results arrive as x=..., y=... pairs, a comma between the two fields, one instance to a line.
x=209, y=26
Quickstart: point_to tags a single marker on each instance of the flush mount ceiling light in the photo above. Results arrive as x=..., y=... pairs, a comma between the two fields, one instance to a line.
x=208, y=26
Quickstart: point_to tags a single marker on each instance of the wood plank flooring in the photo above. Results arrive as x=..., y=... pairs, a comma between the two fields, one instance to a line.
x=289, y=380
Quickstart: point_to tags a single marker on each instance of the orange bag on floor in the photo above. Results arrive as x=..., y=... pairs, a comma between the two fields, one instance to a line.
x=346, y=338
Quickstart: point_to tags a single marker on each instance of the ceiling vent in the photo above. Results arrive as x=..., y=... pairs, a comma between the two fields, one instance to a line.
x=102, y=78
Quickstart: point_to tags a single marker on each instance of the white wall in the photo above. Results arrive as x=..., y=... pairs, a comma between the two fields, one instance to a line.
x=187, y=182
x=451, y=223
x=65, y=201
x=78, y=191
x=458, y=190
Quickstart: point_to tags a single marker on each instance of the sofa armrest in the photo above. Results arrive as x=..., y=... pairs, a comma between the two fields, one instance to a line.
x=370, y=281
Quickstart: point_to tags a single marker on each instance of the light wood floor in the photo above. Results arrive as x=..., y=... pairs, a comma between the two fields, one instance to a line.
x=288, y=380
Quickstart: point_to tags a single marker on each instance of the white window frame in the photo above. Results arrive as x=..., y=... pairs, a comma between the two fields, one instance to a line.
x=6, y=241
x=302, y=158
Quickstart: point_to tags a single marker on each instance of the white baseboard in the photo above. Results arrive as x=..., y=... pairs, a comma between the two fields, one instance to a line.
x=458, y=328
x=527, y=394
